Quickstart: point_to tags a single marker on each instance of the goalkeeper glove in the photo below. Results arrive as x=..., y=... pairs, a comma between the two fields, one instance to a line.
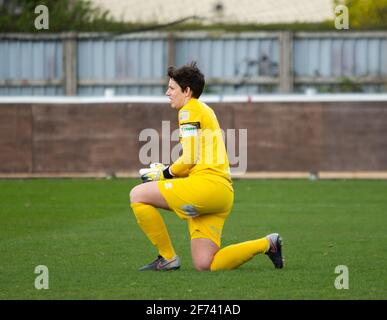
x=155, y=172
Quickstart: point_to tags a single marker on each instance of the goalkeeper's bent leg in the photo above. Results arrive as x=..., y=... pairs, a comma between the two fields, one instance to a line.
x=151, y=222
x=235, y=255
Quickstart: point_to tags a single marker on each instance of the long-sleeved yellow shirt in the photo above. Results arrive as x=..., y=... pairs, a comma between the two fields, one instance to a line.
x=204, y=151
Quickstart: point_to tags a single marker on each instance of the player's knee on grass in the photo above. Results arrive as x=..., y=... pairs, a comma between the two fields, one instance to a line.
x=203, y=251
x=202, y=265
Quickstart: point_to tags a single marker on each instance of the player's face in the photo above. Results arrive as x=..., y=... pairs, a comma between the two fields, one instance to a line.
x=177, y=97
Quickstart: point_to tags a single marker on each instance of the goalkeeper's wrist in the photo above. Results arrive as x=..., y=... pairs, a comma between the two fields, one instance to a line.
x=167, y=173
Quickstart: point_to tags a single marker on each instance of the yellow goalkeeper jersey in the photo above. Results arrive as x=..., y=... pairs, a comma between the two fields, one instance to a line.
x=204, y=151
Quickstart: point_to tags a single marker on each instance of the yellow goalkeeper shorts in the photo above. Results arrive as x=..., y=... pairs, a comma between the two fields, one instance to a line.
x=204, y=201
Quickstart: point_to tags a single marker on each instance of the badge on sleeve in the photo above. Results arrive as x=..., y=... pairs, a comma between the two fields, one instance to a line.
x=189, y=129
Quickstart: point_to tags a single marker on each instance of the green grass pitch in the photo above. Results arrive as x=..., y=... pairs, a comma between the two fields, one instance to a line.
x=84, y=232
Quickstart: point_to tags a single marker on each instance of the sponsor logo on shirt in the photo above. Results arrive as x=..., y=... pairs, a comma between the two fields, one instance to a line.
x=184, y=115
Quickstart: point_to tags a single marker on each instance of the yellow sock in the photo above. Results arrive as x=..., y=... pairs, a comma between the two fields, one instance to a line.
x=151, y=222
x=233, y=256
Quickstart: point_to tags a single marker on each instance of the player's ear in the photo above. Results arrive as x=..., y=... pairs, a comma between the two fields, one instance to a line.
x=188, y=91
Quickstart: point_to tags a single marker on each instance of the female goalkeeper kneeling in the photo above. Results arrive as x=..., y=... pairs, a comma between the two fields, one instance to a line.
x=197, y=187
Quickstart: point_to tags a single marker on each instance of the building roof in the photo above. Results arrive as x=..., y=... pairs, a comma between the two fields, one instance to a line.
x=211, y=11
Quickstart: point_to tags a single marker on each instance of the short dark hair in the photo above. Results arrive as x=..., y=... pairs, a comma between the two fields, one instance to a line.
x=190, y=76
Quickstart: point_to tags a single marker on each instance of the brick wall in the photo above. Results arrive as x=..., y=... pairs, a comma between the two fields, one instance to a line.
x=292, y=136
